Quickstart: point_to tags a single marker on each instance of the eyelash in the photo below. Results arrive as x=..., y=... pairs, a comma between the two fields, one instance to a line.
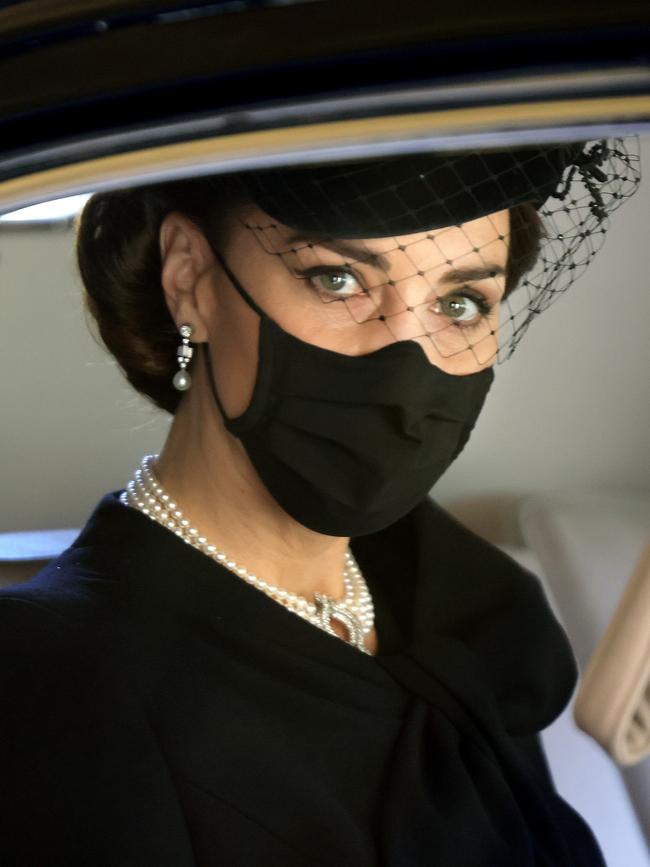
x=318, y=270
x=480, y=300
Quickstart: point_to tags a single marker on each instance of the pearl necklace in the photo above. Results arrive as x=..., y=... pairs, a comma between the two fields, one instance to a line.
x=355, y=611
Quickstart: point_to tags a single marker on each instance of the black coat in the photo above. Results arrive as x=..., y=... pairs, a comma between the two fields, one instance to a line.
x=157, y=710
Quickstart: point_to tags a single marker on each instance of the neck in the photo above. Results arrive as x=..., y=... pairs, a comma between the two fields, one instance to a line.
x=207, y=471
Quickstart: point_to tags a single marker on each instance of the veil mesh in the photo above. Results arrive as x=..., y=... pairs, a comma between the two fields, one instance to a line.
x=458, y=251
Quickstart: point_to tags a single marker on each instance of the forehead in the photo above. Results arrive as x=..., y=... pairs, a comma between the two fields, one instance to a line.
x=448, y=241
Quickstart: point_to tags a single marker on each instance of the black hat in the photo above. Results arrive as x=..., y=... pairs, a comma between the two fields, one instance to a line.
x=407, y=194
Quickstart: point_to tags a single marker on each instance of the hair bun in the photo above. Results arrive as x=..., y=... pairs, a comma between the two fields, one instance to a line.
x=118, y=256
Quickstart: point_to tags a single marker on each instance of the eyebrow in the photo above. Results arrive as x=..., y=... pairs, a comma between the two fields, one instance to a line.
x=348, y=250
x=467, y=275
x=359, y=253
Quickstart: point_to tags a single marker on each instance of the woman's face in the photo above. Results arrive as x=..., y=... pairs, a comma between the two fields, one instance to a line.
x=440, y=288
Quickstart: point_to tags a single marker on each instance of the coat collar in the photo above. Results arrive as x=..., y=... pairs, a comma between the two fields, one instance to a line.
x=451, y=609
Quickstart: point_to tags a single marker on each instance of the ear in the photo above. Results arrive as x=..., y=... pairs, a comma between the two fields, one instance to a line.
x=186, y=257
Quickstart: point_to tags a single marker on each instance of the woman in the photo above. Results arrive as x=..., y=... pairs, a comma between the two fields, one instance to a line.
x=271, y=648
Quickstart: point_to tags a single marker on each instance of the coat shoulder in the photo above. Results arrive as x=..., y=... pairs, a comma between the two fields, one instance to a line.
x=50, y=649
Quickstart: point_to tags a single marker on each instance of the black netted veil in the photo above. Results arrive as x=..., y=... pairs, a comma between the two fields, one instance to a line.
x=459, y=251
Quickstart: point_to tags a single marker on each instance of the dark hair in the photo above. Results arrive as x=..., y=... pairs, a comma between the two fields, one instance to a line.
x=119, y=260
x=526, y=234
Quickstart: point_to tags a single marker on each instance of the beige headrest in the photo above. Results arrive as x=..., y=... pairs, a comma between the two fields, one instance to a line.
x=613, y=702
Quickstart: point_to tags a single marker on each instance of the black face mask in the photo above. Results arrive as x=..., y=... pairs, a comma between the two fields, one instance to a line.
x=349, y=444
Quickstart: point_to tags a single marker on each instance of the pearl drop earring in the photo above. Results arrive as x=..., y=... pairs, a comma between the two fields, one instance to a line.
x=182, y=380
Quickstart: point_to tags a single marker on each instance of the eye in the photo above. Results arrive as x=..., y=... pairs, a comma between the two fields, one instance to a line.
x=462, y=307
x=334, y=281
